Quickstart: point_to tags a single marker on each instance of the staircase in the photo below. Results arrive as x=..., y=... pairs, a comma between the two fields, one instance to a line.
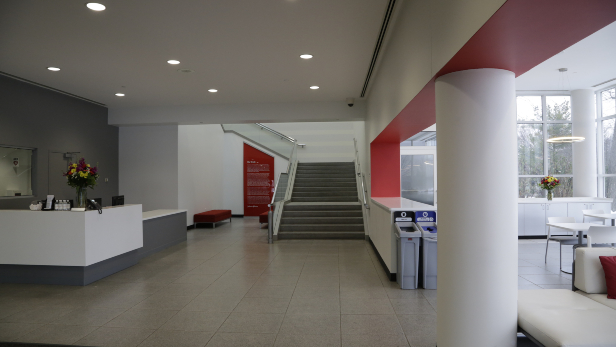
x=324, y=204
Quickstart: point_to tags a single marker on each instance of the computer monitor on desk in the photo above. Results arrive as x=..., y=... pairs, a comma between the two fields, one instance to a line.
x=117, y=200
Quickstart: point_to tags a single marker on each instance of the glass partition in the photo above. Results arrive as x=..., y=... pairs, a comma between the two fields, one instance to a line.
x=15, y=171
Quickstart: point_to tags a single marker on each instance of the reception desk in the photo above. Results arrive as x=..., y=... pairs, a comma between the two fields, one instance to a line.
x=70, y=248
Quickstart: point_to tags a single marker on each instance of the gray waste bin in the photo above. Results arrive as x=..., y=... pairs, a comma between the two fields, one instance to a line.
x=407, y=243
x=429, y=256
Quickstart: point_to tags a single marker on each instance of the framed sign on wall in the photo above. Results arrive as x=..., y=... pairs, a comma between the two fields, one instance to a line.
x=258, y=180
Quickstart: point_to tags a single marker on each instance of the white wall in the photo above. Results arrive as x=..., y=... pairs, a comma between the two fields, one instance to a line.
x=325, y=141
x=149, y=166
x=200, y=169
x=233, y=170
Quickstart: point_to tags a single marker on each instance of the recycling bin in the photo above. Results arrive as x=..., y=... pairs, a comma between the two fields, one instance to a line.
x=428, y=229
x=408, y=239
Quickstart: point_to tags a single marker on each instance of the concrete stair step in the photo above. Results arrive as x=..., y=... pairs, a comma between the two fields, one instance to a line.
x=299, y=235
x=321, y=220
x=345, y=193
x=309, y=183
x=319, y=214
x=326, y=170
x=325, y=179
x=321, y=227
x=319, y=176
x=322, y=207
x=325, y=189
x=346, y=163
x=325, y=199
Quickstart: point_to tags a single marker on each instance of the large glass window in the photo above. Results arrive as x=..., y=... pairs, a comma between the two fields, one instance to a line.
x=541, y=117
x=606, y=129
x=15, y=171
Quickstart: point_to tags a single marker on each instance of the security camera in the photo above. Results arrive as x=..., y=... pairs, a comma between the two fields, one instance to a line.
x=350, y=102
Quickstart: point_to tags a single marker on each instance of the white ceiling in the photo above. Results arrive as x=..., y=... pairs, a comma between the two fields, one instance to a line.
x=247, y=49
x=589, y=62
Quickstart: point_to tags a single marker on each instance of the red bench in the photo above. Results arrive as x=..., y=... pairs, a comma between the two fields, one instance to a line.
x=263, y=218
x=213, y=216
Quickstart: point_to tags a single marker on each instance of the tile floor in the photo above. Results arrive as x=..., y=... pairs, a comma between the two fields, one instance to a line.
x=228, y=287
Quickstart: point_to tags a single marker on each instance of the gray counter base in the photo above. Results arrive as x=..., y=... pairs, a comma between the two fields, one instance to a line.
x=66, y=275
x=162, y=232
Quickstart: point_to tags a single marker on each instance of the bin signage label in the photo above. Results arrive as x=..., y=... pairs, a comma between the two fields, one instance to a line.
x=425, y=216
x=403, y=216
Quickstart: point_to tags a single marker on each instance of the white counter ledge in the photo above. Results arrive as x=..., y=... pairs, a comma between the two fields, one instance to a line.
x=562, y=200
x=160, y=213
x=401, y=204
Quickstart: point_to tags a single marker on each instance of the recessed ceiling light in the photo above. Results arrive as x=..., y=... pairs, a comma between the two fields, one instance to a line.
x=119, y=94
x=173, y=62
x=314, y=87
x=306, y=56
x=95, y=6
x=212, y=90
x=51, y=68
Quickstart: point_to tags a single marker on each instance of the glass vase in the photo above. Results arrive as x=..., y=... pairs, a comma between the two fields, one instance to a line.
x=82, y=197
x=549, y=194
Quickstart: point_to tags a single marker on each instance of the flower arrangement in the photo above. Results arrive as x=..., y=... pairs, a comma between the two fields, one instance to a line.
x=81, y=175
x=549, y=183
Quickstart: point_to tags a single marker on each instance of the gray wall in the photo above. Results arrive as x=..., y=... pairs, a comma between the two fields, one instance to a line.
x=32, y=116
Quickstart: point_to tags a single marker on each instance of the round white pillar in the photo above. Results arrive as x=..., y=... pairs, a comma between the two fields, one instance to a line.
x=477, y=209
x=585, y=152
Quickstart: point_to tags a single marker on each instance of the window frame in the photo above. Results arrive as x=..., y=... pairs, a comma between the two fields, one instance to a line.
x=601, y=175
x=544, y=122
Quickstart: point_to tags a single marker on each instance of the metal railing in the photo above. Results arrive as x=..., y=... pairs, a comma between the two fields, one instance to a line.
x=277, y=204
x=364, y=191
x=282, y=136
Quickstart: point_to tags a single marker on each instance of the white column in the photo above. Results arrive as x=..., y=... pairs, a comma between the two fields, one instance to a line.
x=585, y=152
x=477, y=210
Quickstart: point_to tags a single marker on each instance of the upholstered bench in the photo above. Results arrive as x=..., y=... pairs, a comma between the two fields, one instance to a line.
x=213, y=216
x=263, y=218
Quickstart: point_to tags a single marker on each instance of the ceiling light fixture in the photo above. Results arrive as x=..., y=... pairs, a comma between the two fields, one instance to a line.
x=95, y=6
x=314, y=87
x=51, y=68
x=119, y=94
x=566, y=139
x=306, y=56
x=212, y=90
x=173, y=62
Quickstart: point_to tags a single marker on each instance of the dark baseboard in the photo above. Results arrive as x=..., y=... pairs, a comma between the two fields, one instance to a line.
x=529, y=237
x=392, y=277
x=237, y=215
x=190, y=227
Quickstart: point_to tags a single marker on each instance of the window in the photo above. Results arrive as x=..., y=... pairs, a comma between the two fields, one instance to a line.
x=541, y=117
x=606, y=146
x=15, y=171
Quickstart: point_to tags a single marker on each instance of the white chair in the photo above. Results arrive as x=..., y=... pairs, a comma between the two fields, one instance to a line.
x=592, y=219
x=561, y=239
x=601, y=235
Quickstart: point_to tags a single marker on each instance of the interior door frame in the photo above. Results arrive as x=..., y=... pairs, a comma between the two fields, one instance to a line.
x=419, y=150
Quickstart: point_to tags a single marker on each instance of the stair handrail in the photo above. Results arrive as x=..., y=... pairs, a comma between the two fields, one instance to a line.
x=278, y=205
x=360, y=175
x=282, y=136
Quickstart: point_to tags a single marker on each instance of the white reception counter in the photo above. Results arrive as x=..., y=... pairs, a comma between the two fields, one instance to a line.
x=63, y=247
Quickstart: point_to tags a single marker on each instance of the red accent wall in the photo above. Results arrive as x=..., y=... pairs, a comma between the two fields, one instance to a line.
x=258, y=181
x=385, y=169
x=519, y=36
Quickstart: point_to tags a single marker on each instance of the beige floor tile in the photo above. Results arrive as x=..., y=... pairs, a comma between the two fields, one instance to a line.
x=242, y=340
x=262, y=305
x=294, y=340
x=418, y=324
x=263, y=291
x=11, y=331
x=317, y=292
x=144, y=319
x=364, y=324
x=46, y=314
x=365, y=306
x=318, y=281
x=239, y=322
x=277, y=280
x=398, y=340
x=115, y=337
x=164, y=302
x=183, y=289
x=196, y=321
x=300, y=305
x=89, y=316
x=56, y=334
x=412, y=306
x=213, y=303
x=195, y=277
x=310, y=324
x=161, y=338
